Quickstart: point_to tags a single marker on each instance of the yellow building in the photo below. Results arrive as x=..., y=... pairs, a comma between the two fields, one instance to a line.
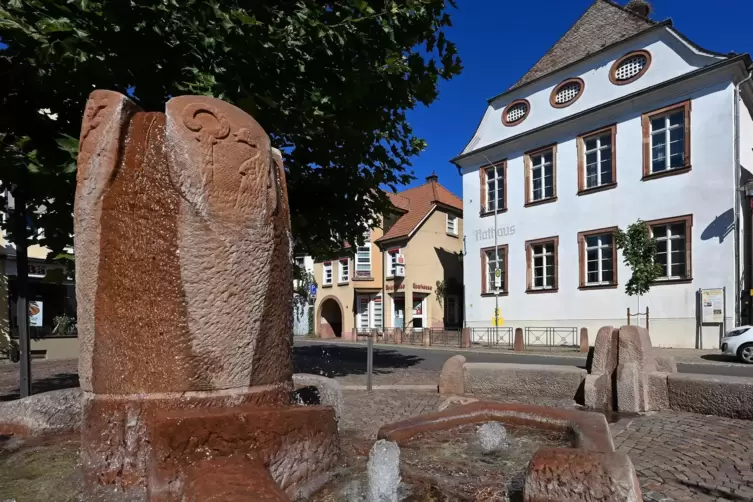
x=413, y=259
x=47, y=300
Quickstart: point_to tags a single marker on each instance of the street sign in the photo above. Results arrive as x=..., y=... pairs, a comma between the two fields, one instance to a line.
x=497, y=320
x=497, y=279
x=313, y=290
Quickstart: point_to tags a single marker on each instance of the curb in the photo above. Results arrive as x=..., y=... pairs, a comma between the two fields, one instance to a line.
x=432, y=388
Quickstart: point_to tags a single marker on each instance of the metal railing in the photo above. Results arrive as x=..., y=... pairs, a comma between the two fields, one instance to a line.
x=445, y=337
x=495, y=337
x=413, y=336
x=550, y=337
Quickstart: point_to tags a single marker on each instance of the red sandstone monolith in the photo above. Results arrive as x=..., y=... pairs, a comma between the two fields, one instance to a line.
x=183, y=276
x=583, y=345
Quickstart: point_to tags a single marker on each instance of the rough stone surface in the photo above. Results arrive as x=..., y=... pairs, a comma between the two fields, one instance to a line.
x=52, y=412
x=599, y=391
x=451, y=380
x=183, y=281
x=508, y=379
x=330, y=393
x=455, y=401
x=658, y=391
x=724, y=396
x=231, y=479
x=634, y=347
x=299, y=445
x=666, y=364
x=558, y=474
x=629, y=389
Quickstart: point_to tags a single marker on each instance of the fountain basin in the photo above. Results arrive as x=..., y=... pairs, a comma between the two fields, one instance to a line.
x=587, y=470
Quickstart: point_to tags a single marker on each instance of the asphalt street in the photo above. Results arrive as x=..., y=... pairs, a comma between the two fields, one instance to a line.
x=341, y=359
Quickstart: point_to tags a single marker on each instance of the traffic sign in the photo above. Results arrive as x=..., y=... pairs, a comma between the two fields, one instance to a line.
x=497, y=278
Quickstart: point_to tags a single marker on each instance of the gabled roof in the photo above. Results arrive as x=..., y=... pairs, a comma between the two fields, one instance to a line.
x=416, y=204
x=604, y=23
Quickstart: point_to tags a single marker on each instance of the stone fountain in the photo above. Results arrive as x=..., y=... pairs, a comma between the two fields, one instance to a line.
x=184, y=286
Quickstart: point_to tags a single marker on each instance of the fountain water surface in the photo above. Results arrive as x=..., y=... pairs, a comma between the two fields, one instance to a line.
x=384, y=472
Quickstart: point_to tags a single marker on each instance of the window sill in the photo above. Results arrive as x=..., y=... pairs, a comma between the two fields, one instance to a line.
x=452, y=235
x=542, y=201
x=343, y=283
x=600, y=188
x=585, y=287
x=483, y=214
x=326, y=285
x=660, y=282
x=362, y=279
x=664, y=174
x=540, y=291
x=492, y=295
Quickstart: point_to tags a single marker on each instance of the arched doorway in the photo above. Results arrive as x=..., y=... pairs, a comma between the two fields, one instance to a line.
x=330, y=318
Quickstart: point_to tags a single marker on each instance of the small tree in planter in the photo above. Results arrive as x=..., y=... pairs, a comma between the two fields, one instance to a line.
x=639, y=253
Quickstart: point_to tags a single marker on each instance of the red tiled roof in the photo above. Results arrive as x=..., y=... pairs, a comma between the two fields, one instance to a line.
x=417, y=202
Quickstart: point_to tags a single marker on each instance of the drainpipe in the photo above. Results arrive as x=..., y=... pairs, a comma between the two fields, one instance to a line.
x=736, y=153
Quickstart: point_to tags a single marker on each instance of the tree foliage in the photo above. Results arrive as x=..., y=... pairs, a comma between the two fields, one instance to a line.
x=330, y=81
x=639, y=252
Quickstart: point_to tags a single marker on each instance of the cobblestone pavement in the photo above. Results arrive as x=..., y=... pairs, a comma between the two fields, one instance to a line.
x=46, y=376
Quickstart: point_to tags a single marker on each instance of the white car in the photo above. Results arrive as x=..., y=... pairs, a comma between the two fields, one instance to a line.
x=738, y=342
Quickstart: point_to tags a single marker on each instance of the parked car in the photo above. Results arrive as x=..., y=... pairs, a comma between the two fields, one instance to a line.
x=738, y=342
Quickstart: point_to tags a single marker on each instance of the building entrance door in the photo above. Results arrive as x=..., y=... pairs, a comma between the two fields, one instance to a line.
x=398, y=312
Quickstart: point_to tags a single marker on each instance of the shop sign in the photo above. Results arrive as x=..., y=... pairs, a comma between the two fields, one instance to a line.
x=422, y=287
x=391, y=287
x=35, y=313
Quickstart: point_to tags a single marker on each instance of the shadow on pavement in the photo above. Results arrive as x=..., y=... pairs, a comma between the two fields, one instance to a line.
x=54, y=382
x=720, y=358
x=334, y=360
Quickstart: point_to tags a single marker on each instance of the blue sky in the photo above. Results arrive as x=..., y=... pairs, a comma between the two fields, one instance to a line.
x=500, y=40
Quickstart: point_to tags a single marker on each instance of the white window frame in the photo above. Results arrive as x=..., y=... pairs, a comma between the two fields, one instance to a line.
x=359, y=267
x=495, y=183
x=343, y=266
x=500, y=262
x=667, y=129
x=545, y=257
x=538, y=163
x=327, y=269
x=600, y=248
x=371, y=317
x=451, y=224
x=392, y=261
x=599, y=157
x=670, y=238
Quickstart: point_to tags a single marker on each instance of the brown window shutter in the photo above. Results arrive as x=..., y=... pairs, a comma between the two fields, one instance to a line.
x=482, y=179
x=483, y=271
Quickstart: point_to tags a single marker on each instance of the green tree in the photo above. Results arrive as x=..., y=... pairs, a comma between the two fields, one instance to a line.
x=639, y=253
x=330, y=81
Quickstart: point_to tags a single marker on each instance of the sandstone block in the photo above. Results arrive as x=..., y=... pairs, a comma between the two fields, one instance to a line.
x=329, y=390
x=519, y=343
x=666, y=364
x=583, y=342
x=629, y=397
x=605, y=351
x=52, y=412
x=507, y=379
x=451, y=378
x=725, y=396
x=658, y=391
x=558, y=474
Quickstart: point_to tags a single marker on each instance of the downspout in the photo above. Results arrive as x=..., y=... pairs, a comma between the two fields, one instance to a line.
x=736, y=153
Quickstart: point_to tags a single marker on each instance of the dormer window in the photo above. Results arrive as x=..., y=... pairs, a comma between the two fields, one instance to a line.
x=567, y=93
x=630, y=67
x=516, y=112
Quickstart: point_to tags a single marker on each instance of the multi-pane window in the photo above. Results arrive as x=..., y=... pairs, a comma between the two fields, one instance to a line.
x=392, y=261
x=327, y=274
x=363, y=313
x=368, y=311
x=541, y=175
x=495, y=188
x=452, y=224
x=542, y=264
x=344, y=270
x=363, y=260
x=672, y=248
x=598, y=159
x=495, y=260
x=667, y=139
x=599, y=259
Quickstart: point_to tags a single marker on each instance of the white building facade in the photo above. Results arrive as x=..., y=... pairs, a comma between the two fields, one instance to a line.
x=624, y=119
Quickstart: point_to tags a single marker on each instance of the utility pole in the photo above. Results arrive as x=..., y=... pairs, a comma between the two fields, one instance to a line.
x=22, y=276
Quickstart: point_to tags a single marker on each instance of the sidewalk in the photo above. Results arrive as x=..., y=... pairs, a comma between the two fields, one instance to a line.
x=684, y=356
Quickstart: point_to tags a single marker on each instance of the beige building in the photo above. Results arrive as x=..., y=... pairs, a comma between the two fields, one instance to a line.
x=47, y=300
x=413, y=261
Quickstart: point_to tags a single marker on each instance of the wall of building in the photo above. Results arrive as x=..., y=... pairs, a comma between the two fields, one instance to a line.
x=431, y=255
x=706, y=192
x=344, y=293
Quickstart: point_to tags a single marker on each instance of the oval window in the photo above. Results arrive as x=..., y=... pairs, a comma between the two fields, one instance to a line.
x=515, y=112
x=567, y=93
x=630, y=67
